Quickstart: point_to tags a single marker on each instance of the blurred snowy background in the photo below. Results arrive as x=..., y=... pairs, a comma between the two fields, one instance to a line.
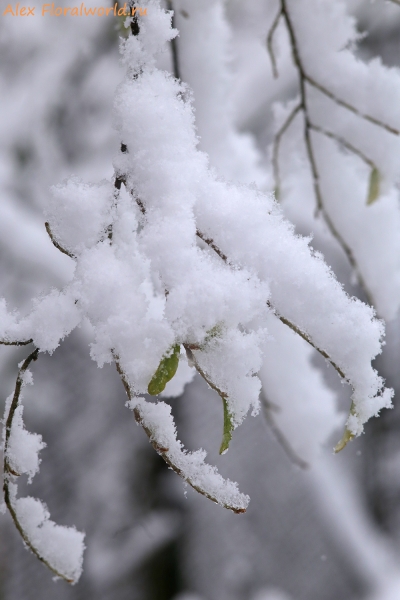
x=331, y=531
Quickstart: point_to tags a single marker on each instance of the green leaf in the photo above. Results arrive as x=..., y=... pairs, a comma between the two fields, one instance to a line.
x=374, y=186
x=165, y=371
x=228, y=428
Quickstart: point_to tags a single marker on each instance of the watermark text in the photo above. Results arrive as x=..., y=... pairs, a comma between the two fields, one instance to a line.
x=75, y=11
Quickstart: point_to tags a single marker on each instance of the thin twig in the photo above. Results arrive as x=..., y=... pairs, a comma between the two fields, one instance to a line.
x=276, y=146
x=162, y=451
x=270, y=47
x=192, y=359
x=56, y=244
x=279, y=435
x=285, y=321
x=17, y=343
x=307, y=338
x=17, y=392
x=8, y=471
x=210, y=242
x=349, y=106
x=174, y=43
x=344, y=143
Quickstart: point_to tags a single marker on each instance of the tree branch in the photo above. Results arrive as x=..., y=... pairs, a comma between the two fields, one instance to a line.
x=56, y=244
x=270, y=39
x=285, y=321
x=174, y=43
x=349, y=106
x=17, y=343
x=308, y=126
x=9, y=472
x=161, y=450
x=276, y=145
x=210, y=242
x=345, y=143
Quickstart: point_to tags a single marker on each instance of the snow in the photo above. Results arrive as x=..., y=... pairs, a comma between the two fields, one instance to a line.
x=23, y=447
x=62, y=547
x=158, y=420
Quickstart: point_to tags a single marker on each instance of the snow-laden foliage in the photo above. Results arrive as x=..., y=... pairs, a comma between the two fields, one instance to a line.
x=59, y=548
x=171, y=256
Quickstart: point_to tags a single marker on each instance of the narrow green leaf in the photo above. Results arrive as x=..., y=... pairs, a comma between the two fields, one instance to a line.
x=165, y=371
x=374, y=186
x=347, y=435
x=228, y=428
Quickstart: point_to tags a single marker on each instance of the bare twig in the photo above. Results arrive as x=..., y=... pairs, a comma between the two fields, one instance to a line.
x=280, y=437
x=344, y=143
x=9, y=472
x=349, y=106
x=270, y=39
x=15, y=401
x=174, y=43
x=162, y=451
x=285, y=321
x=56, y=244
x=210, y=242
x=17, y=343
x=193, y=360
x=276, y=145
x=307, y=338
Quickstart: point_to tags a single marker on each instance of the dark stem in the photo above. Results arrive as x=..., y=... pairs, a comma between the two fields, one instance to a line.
x=270, y=39
x=18, y=343
x=56, y=244
x=174, y=44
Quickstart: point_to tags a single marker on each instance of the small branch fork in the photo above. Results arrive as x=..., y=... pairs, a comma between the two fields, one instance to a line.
x=309, y=126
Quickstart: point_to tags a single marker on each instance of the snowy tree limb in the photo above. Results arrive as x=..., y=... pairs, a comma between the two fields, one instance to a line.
x=9, y=495
x=237, y=503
